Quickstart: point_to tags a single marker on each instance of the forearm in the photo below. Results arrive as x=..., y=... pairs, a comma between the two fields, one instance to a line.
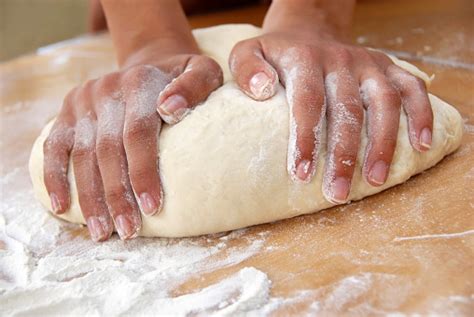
x=134, y=25
x=333, y=17
x=95, y=17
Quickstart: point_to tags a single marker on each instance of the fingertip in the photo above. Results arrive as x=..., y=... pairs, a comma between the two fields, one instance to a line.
x=378, y=173
x=254, y=75
x=125, y=228
x=173, y=109
x=99, y=228
x=304, y=171
x=261, y=86
x=425, y=139
x=337, y=191
x=422, y=140
x=149, y=206
x=58, y=206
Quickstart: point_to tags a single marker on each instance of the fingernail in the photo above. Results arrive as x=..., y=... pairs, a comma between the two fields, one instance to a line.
x=304, y=169
x=339, y=190
x=174, y=106
x=148, y=204
x=96, y=229
x=425, y=138
x=261, y=86
x=378, y=173
x=125, y=228
x=55, y=204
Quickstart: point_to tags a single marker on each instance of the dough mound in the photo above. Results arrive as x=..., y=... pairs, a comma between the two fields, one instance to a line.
x=224, y=166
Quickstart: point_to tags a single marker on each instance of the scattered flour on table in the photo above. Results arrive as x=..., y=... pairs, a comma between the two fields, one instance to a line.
x=47, y=271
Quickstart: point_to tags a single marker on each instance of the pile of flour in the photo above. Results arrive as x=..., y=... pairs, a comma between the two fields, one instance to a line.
x=47, y=271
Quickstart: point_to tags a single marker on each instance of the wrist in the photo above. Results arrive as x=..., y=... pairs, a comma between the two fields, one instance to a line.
x=331, y=18
x=157, y=50
x=136, y=26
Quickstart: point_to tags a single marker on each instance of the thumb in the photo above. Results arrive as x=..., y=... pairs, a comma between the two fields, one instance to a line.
x=253, y=74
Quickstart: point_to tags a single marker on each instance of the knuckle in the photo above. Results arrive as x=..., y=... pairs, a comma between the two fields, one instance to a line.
x=306, y=132
x=421, y=119
x=209, y=68
x=342, y=55
x=306, y=143
x=345, y=153
x=389, y=141
x=408, y=81
x=384, y=137
x=115, y=193
x=317, y=103
x=80, y=94
x=70, y=96
x=345, y=157
x=306, y=52
x=138, y=129
x=70, y=101
x=81, y=153
x=414, y=83
x=87, y=86
x=241, y=45
x=419, y=83
x=362, y=53
x=353, y=110
x=57, y=140
x=391, y=95
x=241, y=52
x=49, y=145
x=213, y=67
x=108, y=145
x=142, y=72
x=140, y=175
x=107, y=84
x=87, y=197
x=380, y=58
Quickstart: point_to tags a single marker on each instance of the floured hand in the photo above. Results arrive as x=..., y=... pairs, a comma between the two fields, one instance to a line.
x=324, y=76
x=109, y=127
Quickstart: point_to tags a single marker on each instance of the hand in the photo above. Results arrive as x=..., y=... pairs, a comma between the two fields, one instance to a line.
x=109, y=127
x=324, y=76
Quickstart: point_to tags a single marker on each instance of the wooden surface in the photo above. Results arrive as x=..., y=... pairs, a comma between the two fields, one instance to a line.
x=409, y=249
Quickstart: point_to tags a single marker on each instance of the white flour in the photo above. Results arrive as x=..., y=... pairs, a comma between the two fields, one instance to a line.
x=49, y=272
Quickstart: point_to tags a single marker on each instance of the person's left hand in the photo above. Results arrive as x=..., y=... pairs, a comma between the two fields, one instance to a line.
x=325, y=77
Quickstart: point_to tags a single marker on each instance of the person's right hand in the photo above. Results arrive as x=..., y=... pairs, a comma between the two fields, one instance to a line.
x=109, y=127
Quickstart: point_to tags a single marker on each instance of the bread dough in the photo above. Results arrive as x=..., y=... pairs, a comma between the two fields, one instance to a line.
x=224, y=166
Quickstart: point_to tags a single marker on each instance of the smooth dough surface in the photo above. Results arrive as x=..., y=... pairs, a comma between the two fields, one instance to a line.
x=224, y=166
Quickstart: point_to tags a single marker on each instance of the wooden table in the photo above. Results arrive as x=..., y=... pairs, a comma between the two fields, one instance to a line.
x=409, y=249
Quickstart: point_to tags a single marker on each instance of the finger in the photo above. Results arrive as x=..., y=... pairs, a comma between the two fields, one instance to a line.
x=417, y=106
x=114, y=171
x=201, y=76
x=142, y=125
x=57, y=148
x=89, y=182
x=305, y=94
x=382, y=101
x=253, y=74
x=345, y=116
